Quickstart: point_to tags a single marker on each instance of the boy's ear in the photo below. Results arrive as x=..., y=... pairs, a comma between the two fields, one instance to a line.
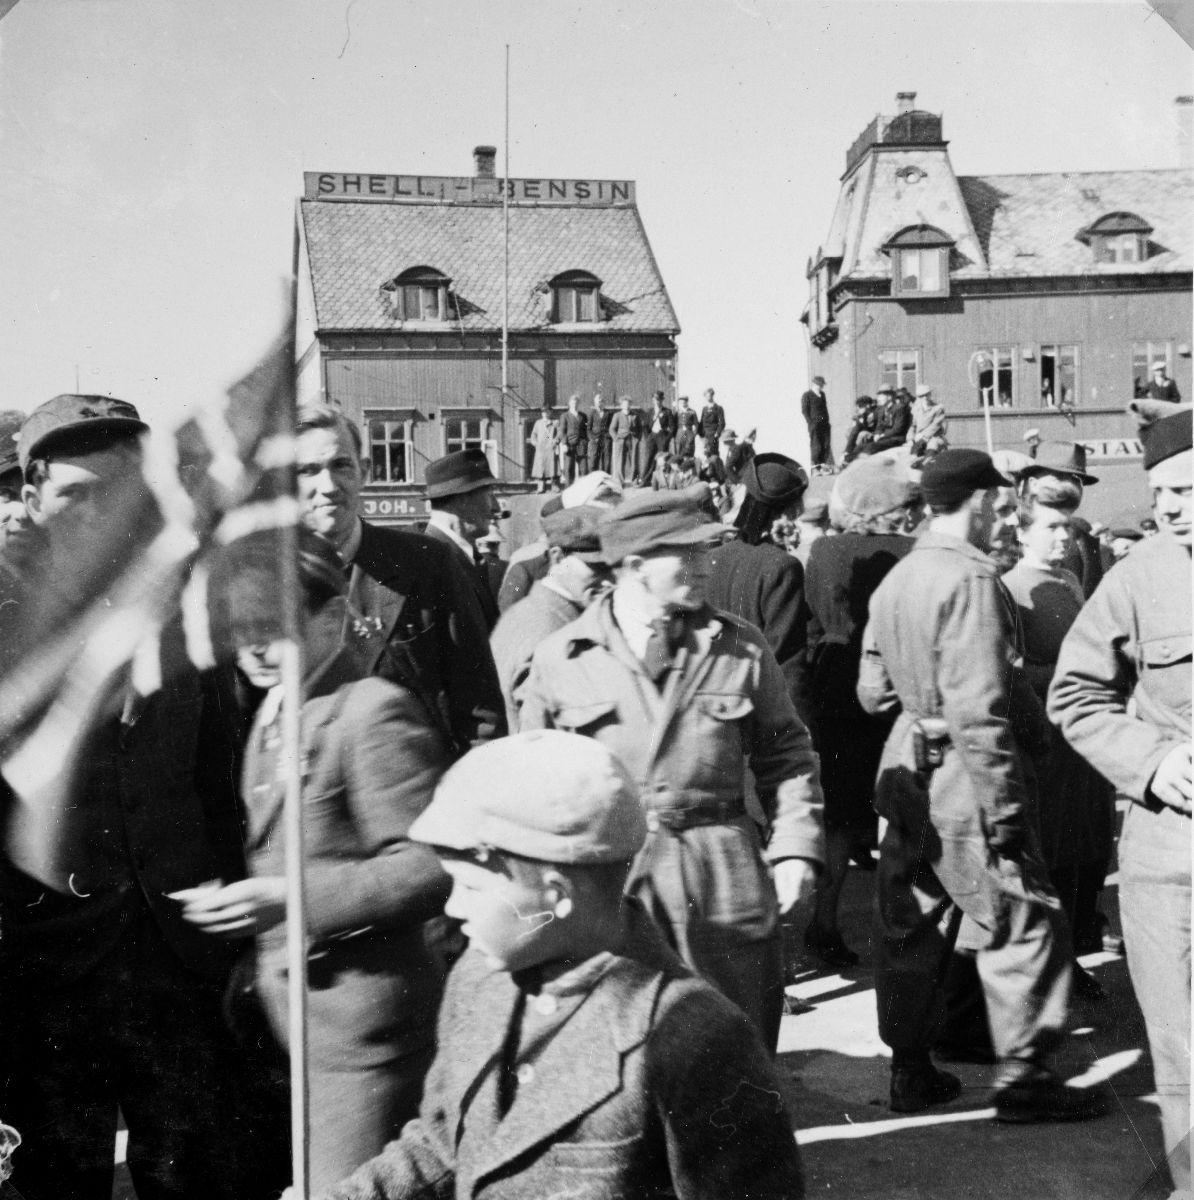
x=557, y=894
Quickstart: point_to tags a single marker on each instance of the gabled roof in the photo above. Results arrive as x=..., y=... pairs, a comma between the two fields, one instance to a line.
x=1030, y=224
x=354, y=248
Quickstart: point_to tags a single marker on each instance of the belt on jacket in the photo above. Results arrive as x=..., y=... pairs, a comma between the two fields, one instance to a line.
x=676, y=819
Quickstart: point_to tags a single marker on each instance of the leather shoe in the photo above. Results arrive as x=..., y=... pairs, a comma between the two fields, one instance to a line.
x=914, y=1088
x=1042, y=1097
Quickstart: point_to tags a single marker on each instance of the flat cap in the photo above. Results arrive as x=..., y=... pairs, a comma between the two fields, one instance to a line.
x=819, y=380
x=547, y=795
x=953, y=475
x=774, y=479
x=873, y=486
x=61, y=419
x=574, y=531
x=1060, y=458
x=653, y=521
x=924, y=390
x=885, y=389
x=596, y=485
x=457, y=473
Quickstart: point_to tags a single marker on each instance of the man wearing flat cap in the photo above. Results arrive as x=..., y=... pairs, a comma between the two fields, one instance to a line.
x=463, y=506
x=814, y=408
x=1121, y=695
x=576, y=574
x=415, y=611
x=110, y=1000
x=960, y=837
x=685, y=696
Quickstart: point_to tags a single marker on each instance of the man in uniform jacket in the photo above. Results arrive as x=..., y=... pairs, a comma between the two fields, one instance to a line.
x=1121, y=695
x=576, y=573
x=711, y=424
x=414, y=609
x=685, y=696
x=460, y=492
x=109, y=998
x=960, y=837
x=814, y=407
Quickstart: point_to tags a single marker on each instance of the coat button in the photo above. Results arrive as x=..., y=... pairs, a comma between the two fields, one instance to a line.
x=525, y=1073
x=546, y=1004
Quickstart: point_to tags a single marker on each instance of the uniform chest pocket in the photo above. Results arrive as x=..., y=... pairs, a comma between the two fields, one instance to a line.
x=1165, y=670
x=585, y=717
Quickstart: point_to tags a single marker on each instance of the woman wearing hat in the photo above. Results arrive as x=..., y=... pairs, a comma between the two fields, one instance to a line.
x=868, y=506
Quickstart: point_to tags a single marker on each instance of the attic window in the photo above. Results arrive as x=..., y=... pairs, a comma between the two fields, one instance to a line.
x=420, y=294
x=575, y=298
x=920, y=262
x=1118, y=237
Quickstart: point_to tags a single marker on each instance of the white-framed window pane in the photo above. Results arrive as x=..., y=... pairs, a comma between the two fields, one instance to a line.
x=1144, y=354
x=586, y=304
x=900, y=368
x=910, y=271
x=464, y=433
x=1059, y=375
x=930, y=270
x=997, y=377
x=389, y=446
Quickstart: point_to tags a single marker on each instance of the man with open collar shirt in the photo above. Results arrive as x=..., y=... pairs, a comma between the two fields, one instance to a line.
x=685, y=696
x=413, y=611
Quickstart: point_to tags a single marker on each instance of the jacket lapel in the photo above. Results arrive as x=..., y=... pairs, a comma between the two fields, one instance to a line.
x=372, y=615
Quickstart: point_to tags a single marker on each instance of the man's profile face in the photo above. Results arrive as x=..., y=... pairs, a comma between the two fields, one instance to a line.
x=994, y=518
x=83, y=497
x=330, y=478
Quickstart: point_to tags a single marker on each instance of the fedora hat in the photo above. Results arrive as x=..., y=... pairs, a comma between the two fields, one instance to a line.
x=457, y=473
x=774, y=479
x=1060, y=458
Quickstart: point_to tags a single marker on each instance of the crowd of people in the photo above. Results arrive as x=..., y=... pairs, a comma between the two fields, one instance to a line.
x=568, y=811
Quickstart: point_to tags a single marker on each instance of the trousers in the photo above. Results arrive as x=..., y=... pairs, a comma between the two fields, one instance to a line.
x=1154, y=907
x=926, y=881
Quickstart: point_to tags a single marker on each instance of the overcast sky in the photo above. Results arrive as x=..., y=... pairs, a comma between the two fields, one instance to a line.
x=151, y=152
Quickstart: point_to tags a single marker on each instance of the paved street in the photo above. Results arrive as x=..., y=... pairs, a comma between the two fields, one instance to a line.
x=852, y=1145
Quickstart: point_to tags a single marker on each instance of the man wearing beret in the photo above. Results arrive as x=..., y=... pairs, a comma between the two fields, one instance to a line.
x=1121, y=695
x=960, y=838
x=576, y=574
x=417, y=616
x=463, y=506
x=685, y=696
x=109, y=999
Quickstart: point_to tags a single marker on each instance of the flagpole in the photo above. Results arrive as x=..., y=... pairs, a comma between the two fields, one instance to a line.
x=292, y=817
x=506, y=247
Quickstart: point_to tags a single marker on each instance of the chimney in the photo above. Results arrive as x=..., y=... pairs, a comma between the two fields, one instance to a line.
x=905, y=102
x=484, y=157
x=1183, y=119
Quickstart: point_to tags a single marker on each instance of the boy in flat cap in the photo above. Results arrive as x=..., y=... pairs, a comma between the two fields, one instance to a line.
x=1121, y=695
x=960, y=838
x=684, y=696
x=576, y=1053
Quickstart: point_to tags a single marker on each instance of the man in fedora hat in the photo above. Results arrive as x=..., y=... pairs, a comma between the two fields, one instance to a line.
x=814, y=407
x=463, y=506
x=960, y=838
x=1121, y=695
x=685, y=696
x=414, y=607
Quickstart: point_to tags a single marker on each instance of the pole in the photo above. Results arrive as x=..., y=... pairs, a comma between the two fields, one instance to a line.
x=506, y=247
x=292, y=818
x=987, y=422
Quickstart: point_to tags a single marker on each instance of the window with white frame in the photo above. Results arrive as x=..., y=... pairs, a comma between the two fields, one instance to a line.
x=1118, y=237
x=420, y=294
x=465, y=431
x=391, y=450
x=920, y=262
x=575, y=298
x=1144, y=354
x=996, y=376
x=1059, y=375
x=900, y=368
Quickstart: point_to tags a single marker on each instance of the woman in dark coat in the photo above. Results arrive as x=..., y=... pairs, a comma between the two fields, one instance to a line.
x=868, y=506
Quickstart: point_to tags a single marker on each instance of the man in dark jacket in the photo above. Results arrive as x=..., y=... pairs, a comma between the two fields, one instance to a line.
x=574, y=434
x=414, y=608
x=109, y=999
x=893, y=419
x=711, y=424
x=814, y=407
x=961, y=837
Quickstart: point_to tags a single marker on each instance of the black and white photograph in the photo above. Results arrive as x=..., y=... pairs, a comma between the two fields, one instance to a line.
x=595, y=599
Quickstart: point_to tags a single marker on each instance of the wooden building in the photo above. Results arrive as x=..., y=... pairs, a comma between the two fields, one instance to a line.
x=403, y=282
x=1032, y=301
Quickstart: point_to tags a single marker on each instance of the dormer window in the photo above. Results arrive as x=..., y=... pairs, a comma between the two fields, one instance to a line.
x=1118, y=237
x=920, y=262
x=420, y=294
x=575, y=298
